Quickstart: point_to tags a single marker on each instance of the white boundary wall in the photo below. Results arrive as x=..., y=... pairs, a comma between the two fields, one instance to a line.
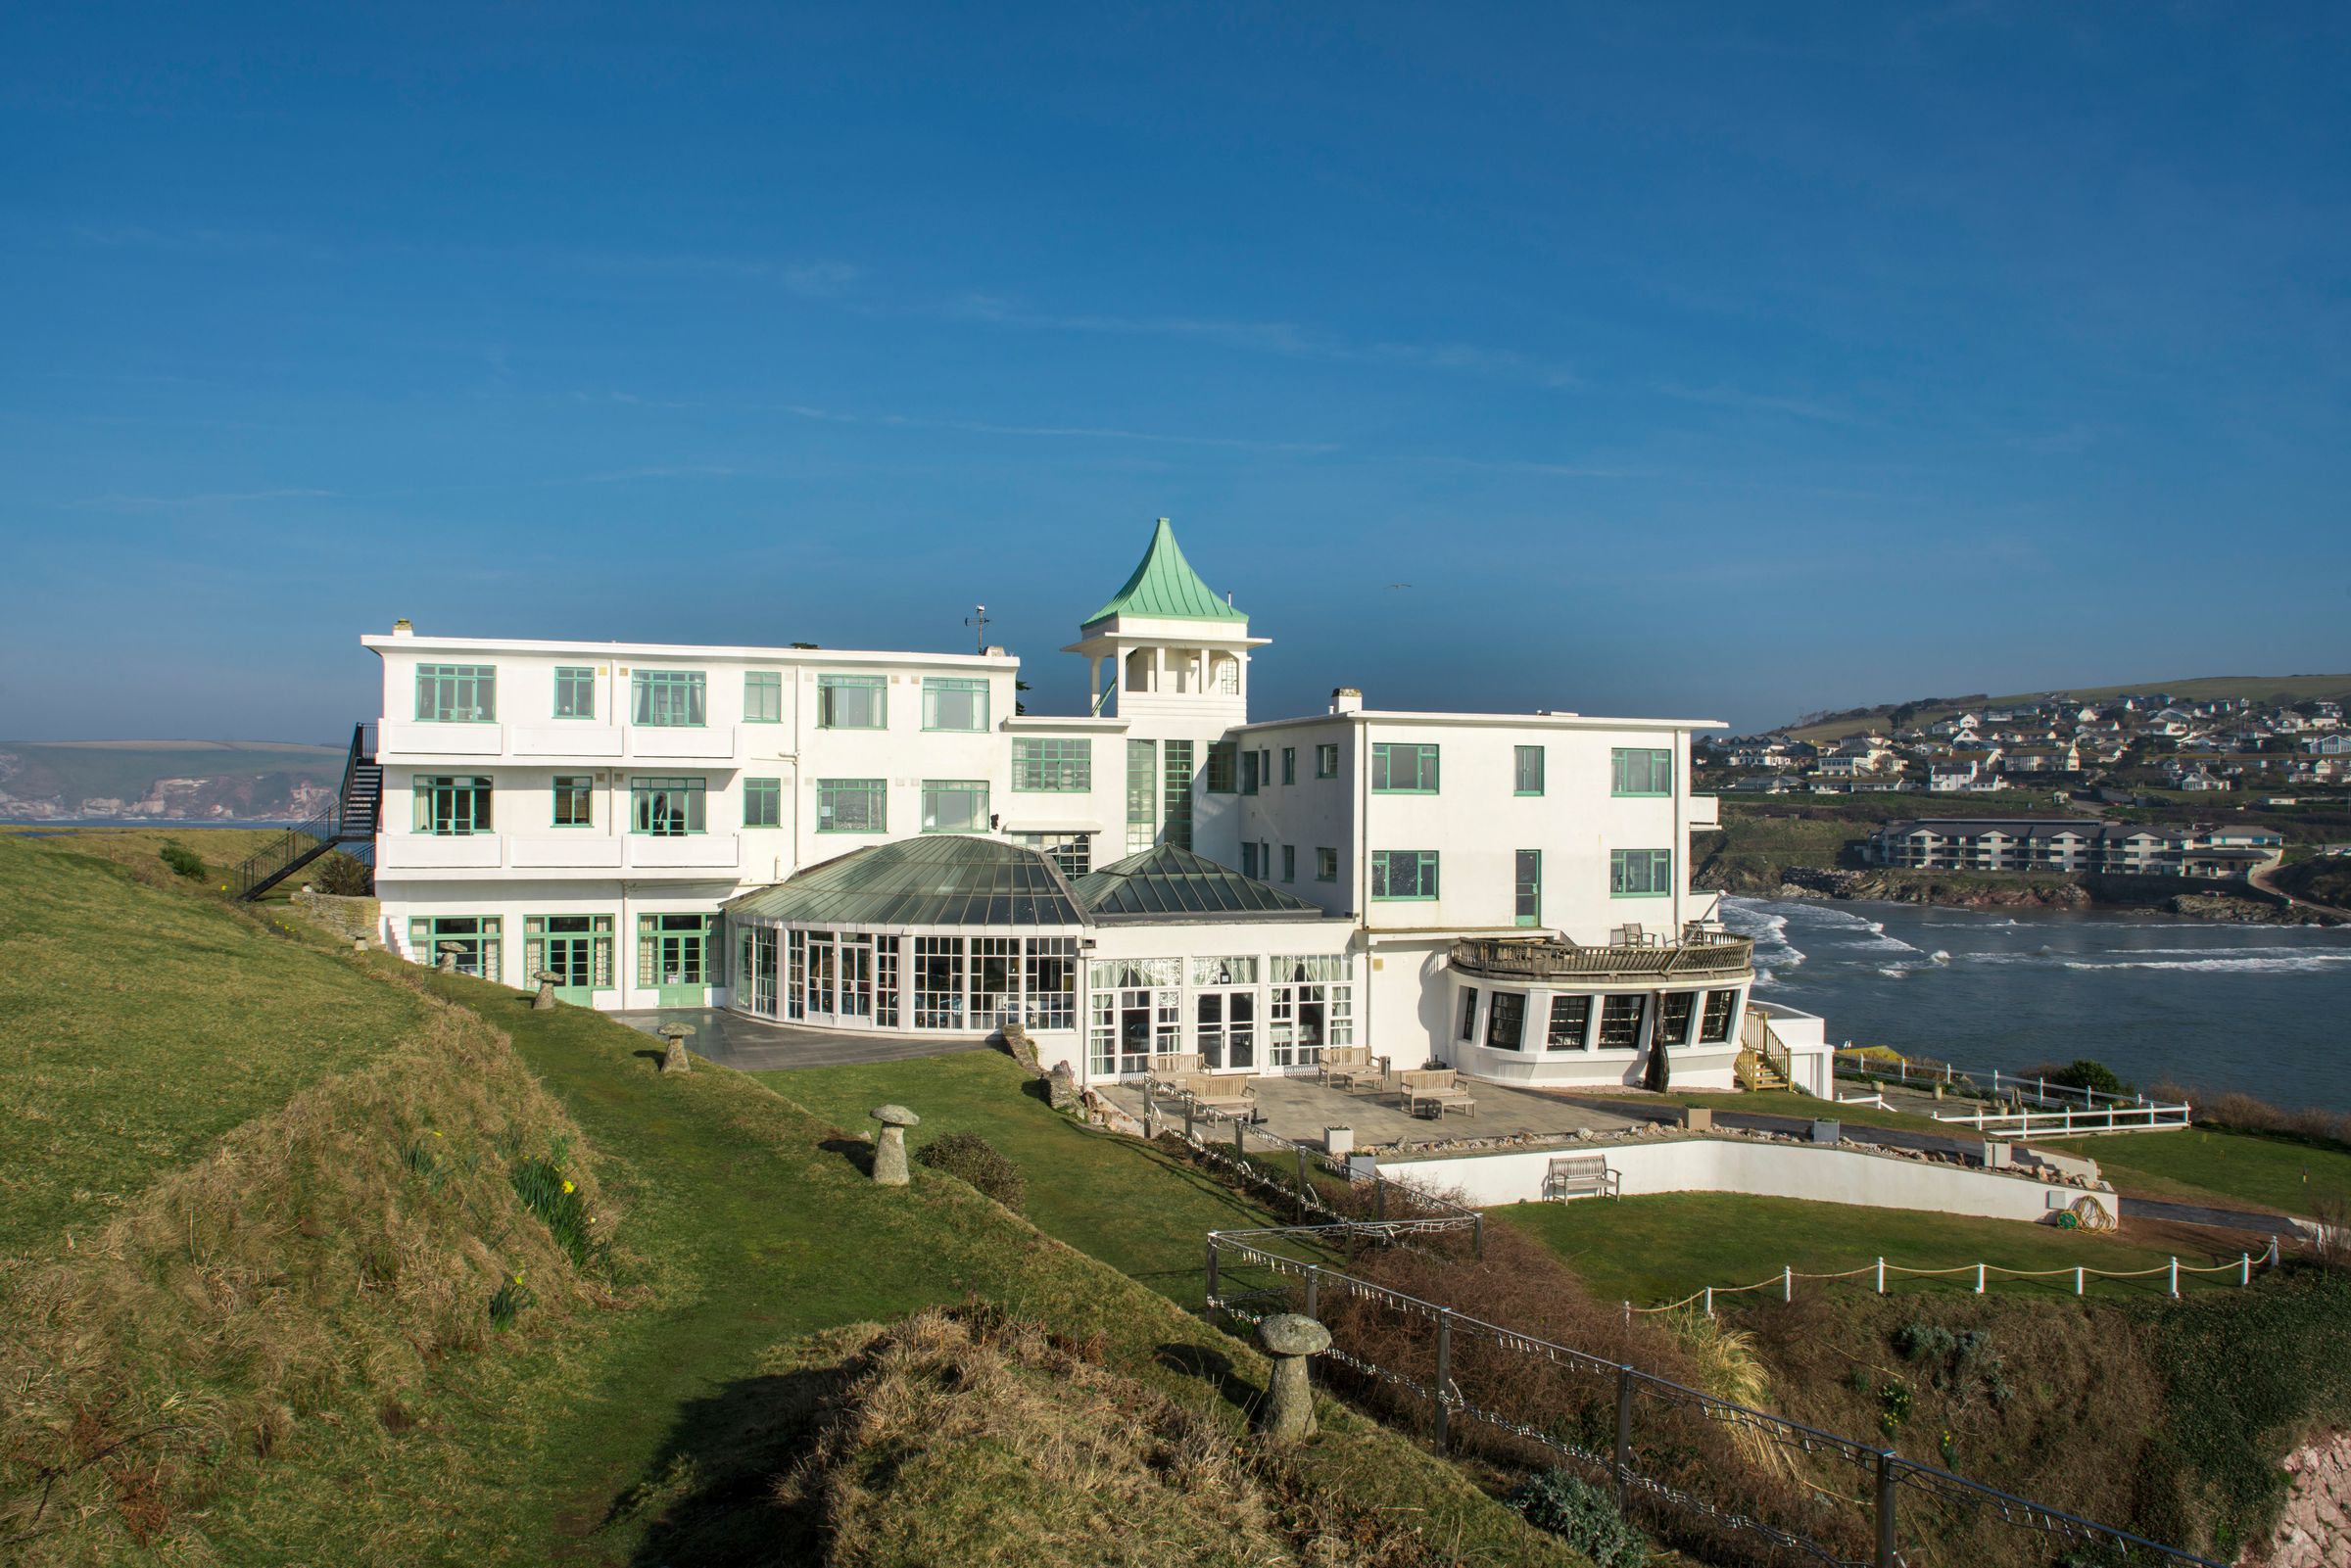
x=1765, y=1169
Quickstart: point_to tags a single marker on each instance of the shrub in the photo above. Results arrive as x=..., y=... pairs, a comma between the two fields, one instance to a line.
x=343, y=876
x=2086, y=1073
x=971, y=1158
x=183, y=860
x=1582, y=1515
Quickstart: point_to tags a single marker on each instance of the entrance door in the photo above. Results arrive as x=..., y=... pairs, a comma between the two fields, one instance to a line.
x=822, y=973
x=573, y=958
x=855, y=988
x=1136, y=1016
x=1225, y=1030
x=674, y=957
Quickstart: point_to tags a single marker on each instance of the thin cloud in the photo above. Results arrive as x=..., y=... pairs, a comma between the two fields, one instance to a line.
x=897, y=422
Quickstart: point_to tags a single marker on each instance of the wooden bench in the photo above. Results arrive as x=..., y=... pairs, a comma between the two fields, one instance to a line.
x=1580, y=1177
x=1436, y=1088
x=1213, y=1093
x=1350, y=1066
x=1167, y=1067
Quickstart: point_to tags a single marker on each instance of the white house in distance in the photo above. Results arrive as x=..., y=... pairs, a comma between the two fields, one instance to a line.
x=880, y=841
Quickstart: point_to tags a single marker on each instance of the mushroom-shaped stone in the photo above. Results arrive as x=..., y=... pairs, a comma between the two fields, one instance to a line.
x=890, y=1151
x=545, y=1001
x=449, y=957
x=674, y=1059
x=1289, y=1337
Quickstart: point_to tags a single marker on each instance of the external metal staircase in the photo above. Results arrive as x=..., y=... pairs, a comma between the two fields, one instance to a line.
x=351, y=817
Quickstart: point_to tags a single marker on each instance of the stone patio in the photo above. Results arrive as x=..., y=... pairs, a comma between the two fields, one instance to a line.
x=1302, y=1109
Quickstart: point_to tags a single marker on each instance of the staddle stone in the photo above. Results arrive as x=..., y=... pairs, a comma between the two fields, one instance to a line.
x=1289, y=1409
x=449, y=957
x=674, y=1059
x=889, y=1152
x=545, y=1001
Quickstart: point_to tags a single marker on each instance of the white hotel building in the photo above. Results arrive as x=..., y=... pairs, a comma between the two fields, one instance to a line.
x=880, y=842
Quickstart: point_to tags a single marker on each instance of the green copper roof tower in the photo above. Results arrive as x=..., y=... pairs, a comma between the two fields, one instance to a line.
x=1166, y=588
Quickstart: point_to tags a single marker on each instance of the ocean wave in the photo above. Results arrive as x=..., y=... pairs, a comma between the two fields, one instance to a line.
x=2301, y=963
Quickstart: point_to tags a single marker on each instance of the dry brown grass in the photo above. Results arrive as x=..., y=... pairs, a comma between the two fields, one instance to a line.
x=2244, y=1113
x=317, y=1264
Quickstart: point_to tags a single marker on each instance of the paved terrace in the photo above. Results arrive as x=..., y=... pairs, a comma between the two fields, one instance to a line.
x=754, y=1045
x=1302, y=1109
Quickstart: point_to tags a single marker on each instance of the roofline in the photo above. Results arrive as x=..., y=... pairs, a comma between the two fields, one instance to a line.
x=1220, y=917
x=1546, y=721
x=379, y=642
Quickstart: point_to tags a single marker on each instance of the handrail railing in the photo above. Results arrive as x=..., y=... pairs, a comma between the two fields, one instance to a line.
x=329, y=825
x=1699, y=955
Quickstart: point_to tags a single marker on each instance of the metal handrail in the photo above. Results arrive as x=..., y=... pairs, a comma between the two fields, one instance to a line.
x=1699, y=955
x=322, y=828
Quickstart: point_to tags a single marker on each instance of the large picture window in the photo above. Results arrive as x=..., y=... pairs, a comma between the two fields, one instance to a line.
x=1640, y=873
x=1722, y=1011
x=1641, y=770
x=1072, y=852
x=666, y=808
x=669, y=699
x=1399, y=873
x=677, y=950
x=1404, y=770
x=852, y=702
x=763, y=696
x=457, y=693
x=852, y=805
x=1506, y=1020
x=1045, y=765
x=1571, y=1017
x=575, y=692
x=577, y=949
x=1311, y=1005
x=473, y=941
x=1673, y=1017
x=938, y=982
x=1052, y=982
x=954, y=805
x=1620, y=1021
x=452, y=807
x=951, y=702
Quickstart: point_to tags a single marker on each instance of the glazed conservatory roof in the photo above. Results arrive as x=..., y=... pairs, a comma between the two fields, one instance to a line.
x=943, y=880
x=1168, y=883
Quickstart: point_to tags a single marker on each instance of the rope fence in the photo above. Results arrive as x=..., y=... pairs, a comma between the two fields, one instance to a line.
x=1878, y=1273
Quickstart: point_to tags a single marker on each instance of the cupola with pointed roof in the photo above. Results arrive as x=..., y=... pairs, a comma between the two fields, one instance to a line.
x=1166, y=645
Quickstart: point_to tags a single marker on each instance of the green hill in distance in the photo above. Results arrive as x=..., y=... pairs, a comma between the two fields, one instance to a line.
x=2277, y=689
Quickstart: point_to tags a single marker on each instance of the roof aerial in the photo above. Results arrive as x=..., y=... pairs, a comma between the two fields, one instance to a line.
x=1164, y=586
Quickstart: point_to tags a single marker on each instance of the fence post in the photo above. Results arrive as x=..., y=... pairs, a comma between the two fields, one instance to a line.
x=1477, y=1235
x=1628, y=1314
x=2077, y=1276
x=1211, y=1269
x=1302, y=1187
x=1978, y=1279
x=1444, y=1371
x=1881, y=1277
x=1624, y=1434
x=1188, y=1136
x=2245, y=1270
x=1709, y=1300
x=2175, y=1278
x=1240, y=1135
x=1886, y=1555
x=1314, y=1292
x=1787, y=1282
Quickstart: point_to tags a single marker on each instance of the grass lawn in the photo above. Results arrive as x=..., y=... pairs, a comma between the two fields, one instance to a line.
x=2199, y=1164
x=1658, y=1249
x=139, y=1023
x=1109, y=1196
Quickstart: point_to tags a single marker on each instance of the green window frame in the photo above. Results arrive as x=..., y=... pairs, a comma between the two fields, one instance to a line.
x=1404, y=768
x=954, y=703
x=763, y=802
x=852, y=702
x=1175, y=793
x=1526, y=773
x=852, y=805
x=575, y=800
x=1400, y=876
x=668, y=808
x=763, y=696
x=452, y=805
x=1223, y=767
x=679, y=950
x=457, y=693
x=1640, y=873
x=1048, y=765
x=1326, y=865
x=1527, y=886
x=1249, y=773
x=1327, y=760
x=1640, y=771
x=955, y=806
x=1289, y=765
x=669, y=699
x=580, y=947
x=1289, y=863
x=575, y=692
x=1143, y=796
x=477, y=936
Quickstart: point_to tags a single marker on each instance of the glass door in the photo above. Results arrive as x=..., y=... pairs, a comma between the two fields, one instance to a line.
x=823, y=972
x=1225, y=1030
x=856, y=980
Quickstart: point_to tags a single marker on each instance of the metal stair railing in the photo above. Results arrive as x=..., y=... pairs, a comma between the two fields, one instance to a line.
x=352, y=814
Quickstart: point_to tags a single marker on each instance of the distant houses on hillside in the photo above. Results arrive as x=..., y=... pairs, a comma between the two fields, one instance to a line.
x=2063, y=844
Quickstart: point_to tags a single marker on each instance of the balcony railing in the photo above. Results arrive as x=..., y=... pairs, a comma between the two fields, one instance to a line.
x=1701, y=954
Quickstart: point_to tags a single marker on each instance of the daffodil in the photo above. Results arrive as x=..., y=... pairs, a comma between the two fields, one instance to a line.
x=568, y=1186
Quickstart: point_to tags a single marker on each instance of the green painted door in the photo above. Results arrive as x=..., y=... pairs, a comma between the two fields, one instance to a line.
x=674, y=957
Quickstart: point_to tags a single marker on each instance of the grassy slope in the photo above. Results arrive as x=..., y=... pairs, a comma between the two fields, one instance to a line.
x=114, y=988
x=1660, y=1249
x=2227, y=1167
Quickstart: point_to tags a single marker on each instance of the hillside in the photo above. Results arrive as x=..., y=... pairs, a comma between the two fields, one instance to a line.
x=2199, y=689
x=170, y=780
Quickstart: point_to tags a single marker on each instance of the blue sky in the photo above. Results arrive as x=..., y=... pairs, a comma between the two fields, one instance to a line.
x=1725, y=360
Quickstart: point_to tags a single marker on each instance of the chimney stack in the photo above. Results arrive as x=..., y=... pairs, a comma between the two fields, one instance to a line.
x=1347, y=700
x=404, y=627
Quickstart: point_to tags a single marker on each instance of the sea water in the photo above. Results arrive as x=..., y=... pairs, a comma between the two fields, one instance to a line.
x=2262, y=1009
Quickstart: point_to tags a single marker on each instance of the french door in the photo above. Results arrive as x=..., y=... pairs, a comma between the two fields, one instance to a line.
x=1224, y=1031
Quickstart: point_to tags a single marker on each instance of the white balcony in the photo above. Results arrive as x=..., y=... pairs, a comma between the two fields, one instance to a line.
x=431, y=852
x=399, y=739
x=687, y=852
x=715, y=742
x=564, y=742
x=577, y=851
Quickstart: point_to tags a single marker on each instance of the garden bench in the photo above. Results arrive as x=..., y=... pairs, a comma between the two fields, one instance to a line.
x=1349, y=1066
x=1211, y=1092
x=1169, y=1067
x=1581, y=1176
x=1433, y=1091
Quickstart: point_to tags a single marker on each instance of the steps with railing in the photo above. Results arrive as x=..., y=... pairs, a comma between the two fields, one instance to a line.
x=350, y=816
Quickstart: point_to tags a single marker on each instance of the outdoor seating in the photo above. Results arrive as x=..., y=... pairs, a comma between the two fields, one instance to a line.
x=1168, y=1066
x=1581, y=1176
x=1433, y=1091
x=1213, y=1092
x=1350, y=1066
